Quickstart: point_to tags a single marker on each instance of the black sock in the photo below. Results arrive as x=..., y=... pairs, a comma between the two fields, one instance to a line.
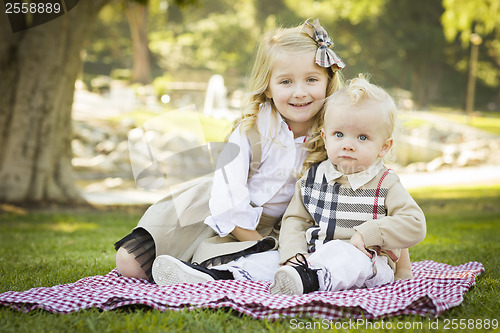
x=214, y=273
x=222, y=275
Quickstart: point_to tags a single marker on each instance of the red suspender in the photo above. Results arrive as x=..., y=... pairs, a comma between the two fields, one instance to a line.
x=375, y=204
x=377, y=192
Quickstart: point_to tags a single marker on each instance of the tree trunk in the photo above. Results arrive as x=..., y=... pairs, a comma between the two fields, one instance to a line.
x=38, y=69
x=137, y=15
x=420, y=86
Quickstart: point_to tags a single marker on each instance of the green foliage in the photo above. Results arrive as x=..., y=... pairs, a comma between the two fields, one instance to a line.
x=233, y=37
x=219, y=37
x=486, y=121
x=462, y=18
x=109, y=41
x=49, y=247
x=400, y=42
x=355, y=11
x=412, y=45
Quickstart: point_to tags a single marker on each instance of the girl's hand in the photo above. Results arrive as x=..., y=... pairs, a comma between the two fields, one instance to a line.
x=246, y=235
x=357, y=241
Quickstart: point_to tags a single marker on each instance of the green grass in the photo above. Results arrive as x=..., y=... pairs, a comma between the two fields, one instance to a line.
x=55, y=246
x=486, y=121
x=180, y=120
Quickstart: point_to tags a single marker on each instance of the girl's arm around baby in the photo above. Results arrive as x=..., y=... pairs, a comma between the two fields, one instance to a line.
x=246, y=235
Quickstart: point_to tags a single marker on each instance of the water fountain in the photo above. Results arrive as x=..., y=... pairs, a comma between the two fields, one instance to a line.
x=216, y=99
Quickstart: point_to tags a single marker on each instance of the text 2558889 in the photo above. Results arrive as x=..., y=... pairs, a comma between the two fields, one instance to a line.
x=20, y=7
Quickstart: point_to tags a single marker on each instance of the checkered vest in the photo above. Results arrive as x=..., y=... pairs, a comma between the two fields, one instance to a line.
x=332, y=205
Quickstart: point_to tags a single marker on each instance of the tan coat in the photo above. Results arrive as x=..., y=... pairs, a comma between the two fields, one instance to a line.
x=177, y=226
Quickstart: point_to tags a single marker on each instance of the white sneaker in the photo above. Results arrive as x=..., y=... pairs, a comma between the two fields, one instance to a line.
x=168, y=270
x=287, y=281
x=295, y=279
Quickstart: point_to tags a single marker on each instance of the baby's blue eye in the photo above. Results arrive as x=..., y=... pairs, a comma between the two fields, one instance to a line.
x=338, y=134
x=363, y=137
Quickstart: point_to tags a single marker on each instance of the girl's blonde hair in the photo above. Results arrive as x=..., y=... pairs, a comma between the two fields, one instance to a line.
x=292, y=40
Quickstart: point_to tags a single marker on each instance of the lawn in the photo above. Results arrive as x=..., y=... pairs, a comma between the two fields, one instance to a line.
x=486, y=121
x=45, y=247
x=180, y=120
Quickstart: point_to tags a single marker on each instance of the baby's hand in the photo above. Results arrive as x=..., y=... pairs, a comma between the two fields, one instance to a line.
x=403, y=274
x=357, y=241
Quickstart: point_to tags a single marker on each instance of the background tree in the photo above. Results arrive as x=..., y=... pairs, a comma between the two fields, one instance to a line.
x=463, y=18
x=400, y=42
x=137, y=16
x=108, y=46
x=38, y=69
x=406, y=48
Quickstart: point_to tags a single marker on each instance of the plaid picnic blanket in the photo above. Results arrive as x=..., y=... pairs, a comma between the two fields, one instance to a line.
x=436, y=288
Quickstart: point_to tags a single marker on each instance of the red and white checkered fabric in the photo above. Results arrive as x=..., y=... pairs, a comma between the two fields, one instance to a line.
x=437, y=287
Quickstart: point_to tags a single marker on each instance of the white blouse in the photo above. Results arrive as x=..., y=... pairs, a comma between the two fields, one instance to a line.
x=237, y=201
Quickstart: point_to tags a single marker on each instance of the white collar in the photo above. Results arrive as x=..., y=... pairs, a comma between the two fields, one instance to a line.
x=356, y=180
x=273, y=123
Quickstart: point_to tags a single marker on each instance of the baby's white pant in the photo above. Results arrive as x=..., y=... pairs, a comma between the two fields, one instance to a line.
x=342, y=266
x=255, y=267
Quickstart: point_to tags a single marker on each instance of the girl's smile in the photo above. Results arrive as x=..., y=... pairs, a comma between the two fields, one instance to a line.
x=301, y=105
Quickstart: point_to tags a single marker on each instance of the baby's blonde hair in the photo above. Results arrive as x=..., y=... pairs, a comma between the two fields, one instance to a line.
x=292, y=40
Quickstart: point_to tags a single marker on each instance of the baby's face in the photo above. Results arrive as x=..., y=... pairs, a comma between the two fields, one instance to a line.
x=355, y=135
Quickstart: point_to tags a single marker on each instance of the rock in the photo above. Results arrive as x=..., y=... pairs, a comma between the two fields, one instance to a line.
x=416, y=167
x=80, y=149
x=98, y=163
x=435, y=164
x=178, y=143
x=106, y=146
x=111, y=182
x=122, y=147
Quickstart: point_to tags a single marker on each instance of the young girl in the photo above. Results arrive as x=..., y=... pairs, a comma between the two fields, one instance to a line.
x=349, y=212
x=295, y=70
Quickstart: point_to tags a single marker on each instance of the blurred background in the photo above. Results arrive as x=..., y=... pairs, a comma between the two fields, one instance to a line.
x=154, y=73
x=420, y=49
x=428, y=54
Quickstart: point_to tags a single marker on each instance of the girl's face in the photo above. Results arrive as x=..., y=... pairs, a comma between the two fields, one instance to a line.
x=355, y=136
x=298, y=89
